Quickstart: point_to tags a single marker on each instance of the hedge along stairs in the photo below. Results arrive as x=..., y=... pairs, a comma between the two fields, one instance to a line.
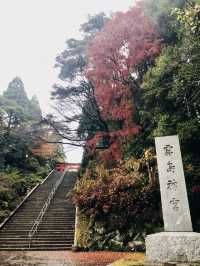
x=56, y=229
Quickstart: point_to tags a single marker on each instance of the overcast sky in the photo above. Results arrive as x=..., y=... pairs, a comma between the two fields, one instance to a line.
x=33, y=32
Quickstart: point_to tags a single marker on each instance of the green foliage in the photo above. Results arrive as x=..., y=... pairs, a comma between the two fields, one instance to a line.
x=170, y=99
x=34, y=109
x=73, y=59
x=170, y=93
x=122, y=203
x=14, y=186
x=15, y=98
x=189, y=18
x=94, y=24
x=16, y=93
x=18, y=116
x=160, y=12
x=20, y=169
x=116, y=231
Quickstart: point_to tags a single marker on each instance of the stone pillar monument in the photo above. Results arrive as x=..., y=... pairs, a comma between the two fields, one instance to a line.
x=178, y=244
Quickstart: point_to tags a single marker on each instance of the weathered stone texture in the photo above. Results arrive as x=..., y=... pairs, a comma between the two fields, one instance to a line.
x=174, y=247
x=176, y=213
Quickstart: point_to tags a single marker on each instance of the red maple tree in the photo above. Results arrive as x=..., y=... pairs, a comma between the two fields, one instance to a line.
x=118, y=57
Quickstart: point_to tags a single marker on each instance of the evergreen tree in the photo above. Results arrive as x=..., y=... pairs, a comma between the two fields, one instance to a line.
x=16, y=93
x=18, y=129
x=34, y=109
x=171, y=88
x=170, y=100
x=79, y=117
x=159, y=12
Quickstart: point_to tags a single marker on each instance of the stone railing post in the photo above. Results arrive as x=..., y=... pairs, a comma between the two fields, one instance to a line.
x=76, y=227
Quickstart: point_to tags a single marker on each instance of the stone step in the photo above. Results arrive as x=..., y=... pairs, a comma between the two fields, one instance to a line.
x=56, y=231
x=42, y=227
x=52, y=228
x=48, y=214
x=49, y=218
x=45, y=221
x=35, y=241
x=41, y=230
x=36, y=245
x=27, y=248
x=41, y=234
x=38, y=234
x=67, y=236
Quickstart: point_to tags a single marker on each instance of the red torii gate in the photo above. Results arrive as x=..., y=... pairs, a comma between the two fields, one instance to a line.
x=67, y=166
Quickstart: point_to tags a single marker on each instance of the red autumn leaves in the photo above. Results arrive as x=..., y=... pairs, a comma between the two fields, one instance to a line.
x=115, y=57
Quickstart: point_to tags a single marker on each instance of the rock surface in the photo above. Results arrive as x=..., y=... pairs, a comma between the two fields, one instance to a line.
x=174, y=247
x=175, y=207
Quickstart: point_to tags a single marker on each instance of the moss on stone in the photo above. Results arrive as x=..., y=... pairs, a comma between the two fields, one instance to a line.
x=81, y=233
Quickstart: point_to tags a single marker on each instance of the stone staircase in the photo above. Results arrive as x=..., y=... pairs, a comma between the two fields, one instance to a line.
x=56, y=230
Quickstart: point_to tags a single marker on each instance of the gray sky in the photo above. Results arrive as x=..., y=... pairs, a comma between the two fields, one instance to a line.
x=33, y=32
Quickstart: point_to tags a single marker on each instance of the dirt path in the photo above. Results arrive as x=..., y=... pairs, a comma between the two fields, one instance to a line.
x=58, y=258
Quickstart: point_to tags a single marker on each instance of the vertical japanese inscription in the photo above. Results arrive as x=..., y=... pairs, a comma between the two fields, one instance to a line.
x=175, y=205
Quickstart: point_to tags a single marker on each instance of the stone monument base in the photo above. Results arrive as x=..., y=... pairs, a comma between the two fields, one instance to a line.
x=173, y=248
